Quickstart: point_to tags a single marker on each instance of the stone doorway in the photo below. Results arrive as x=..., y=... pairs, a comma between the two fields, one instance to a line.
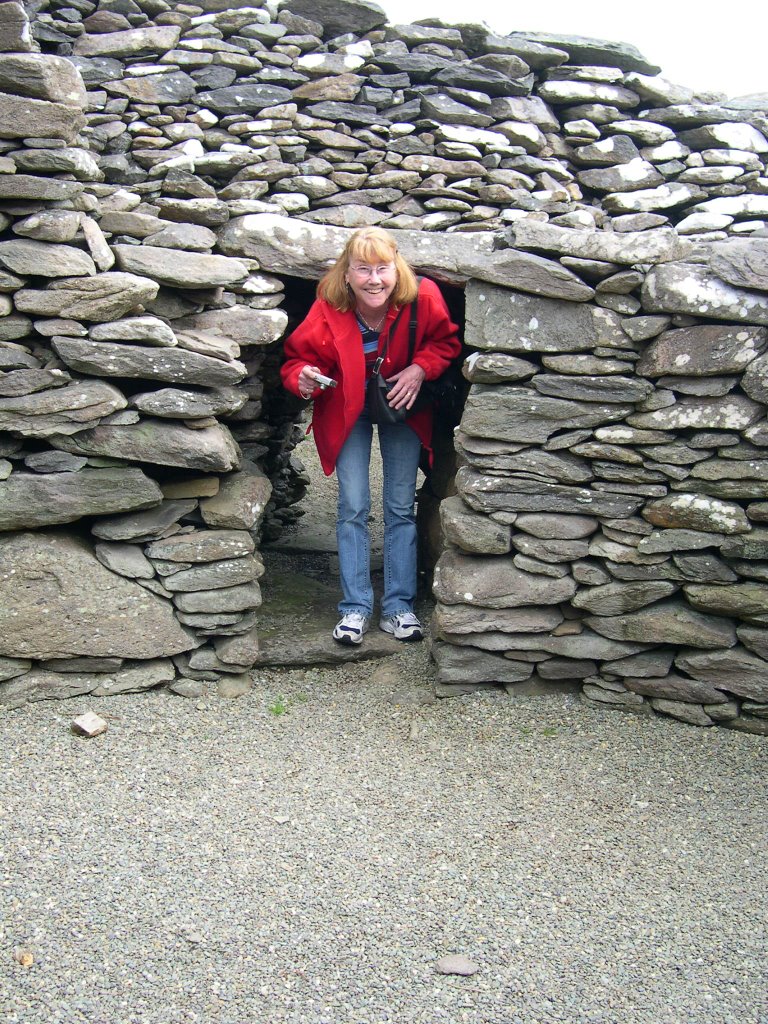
x=301, y=586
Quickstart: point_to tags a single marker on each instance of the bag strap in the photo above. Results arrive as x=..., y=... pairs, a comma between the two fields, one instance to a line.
x=380, y=359
x=413, y=323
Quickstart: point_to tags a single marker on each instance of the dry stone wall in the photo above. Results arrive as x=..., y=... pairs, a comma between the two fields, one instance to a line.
x=165, y=167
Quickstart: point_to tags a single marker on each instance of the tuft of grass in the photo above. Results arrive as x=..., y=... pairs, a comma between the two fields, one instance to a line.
x=279, y=706
x=282, y=705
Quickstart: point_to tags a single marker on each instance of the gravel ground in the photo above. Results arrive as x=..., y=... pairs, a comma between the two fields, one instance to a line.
x=309, y=852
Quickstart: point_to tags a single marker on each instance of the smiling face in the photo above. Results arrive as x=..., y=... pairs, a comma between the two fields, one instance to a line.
x=372, y=276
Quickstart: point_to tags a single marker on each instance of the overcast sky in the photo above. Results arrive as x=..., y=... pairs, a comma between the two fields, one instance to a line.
x=722, y=47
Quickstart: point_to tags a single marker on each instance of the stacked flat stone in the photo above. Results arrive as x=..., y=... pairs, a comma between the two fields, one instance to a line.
x=609, y=227
x=112, y=419
x=328, y=113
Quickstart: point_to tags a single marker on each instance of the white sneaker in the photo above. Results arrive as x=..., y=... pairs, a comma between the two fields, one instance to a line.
x=403, y=626
x=351, y=628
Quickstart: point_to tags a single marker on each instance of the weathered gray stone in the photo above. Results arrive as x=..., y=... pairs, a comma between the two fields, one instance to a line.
x=752, y=545
x=585, y=50
x=732, y=412
x=496, y=368
x=697, y=512
x=215, y=575
x=469, y=665
x=573, y=527
x=54, y=462
x=624, y=701
x=66, y=410
x=149, y=330
x=704, y=569
x=31, y=499
x=179, y=269
x=551, y=467
x=645, y=665
x=240, y=650
x=746, y=600
x=688, y=288
x=12, y=667
x=735, y=670
x=525, y=417
x=703, y=351
x=754, y=639
x=125, y=560
x=28, y=257
x=678, y=540
x=250, y=97
x=471, y=532
x=504, y=320
x=240, y=324
x=142, y=525
x=241, y=500
x=670, y=622
x=229, y=599
x=655, y=246
x=582, y=645
x=693, y=714
x=303, y=249
x=755, y=379
x=494, y=583
x=212, y=449
x=550, y=549
x=148, y=363
x=14, y=28
x=24, y=118
x=135, y=42
x=470, y=620
x=489, y=494
x=87, y=608
x=75, y=161
x=42, y=77
x=173, y=87
x=107, y=296
x=589, y=388
x=615, y=598
x=741, y=262
x=203, y=546
x=174, y=403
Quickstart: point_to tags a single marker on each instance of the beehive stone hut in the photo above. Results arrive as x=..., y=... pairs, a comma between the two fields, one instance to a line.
x=173, y=179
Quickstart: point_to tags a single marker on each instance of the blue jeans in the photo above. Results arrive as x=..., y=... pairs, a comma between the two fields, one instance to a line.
x=400, y=449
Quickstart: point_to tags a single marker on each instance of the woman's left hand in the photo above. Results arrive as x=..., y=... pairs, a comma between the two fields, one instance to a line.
x=405, y=386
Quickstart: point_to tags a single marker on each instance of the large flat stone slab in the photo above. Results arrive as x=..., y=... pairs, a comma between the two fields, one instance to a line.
x=658, y=245
x=42, y=499
x=24, y=118
x=178, y=268
x=689, y=288
x=162, y=442
x=285, y=245
x=176, y=365
x=42, y=77
x=503, y=320
x=107, y=296
x=57, y=600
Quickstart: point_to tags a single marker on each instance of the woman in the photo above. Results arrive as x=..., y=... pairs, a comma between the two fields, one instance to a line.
x=348, y=325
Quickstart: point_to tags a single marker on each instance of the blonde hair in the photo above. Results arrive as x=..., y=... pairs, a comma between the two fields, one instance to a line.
x=370, y=245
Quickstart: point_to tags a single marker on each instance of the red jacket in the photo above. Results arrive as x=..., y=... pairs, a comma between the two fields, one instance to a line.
x=330, y=340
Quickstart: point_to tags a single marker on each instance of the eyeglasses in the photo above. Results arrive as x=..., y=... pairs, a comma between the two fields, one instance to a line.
x=365, y=270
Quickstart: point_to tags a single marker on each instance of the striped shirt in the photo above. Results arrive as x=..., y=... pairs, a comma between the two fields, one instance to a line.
x=370, y=347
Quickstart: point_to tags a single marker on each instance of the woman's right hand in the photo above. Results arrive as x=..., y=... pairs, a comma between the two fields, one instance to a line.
x=307, y=382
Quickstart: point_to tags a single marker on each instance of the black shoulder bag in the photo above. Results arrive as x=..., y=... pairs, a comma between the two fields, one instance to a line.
x=379, y=409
